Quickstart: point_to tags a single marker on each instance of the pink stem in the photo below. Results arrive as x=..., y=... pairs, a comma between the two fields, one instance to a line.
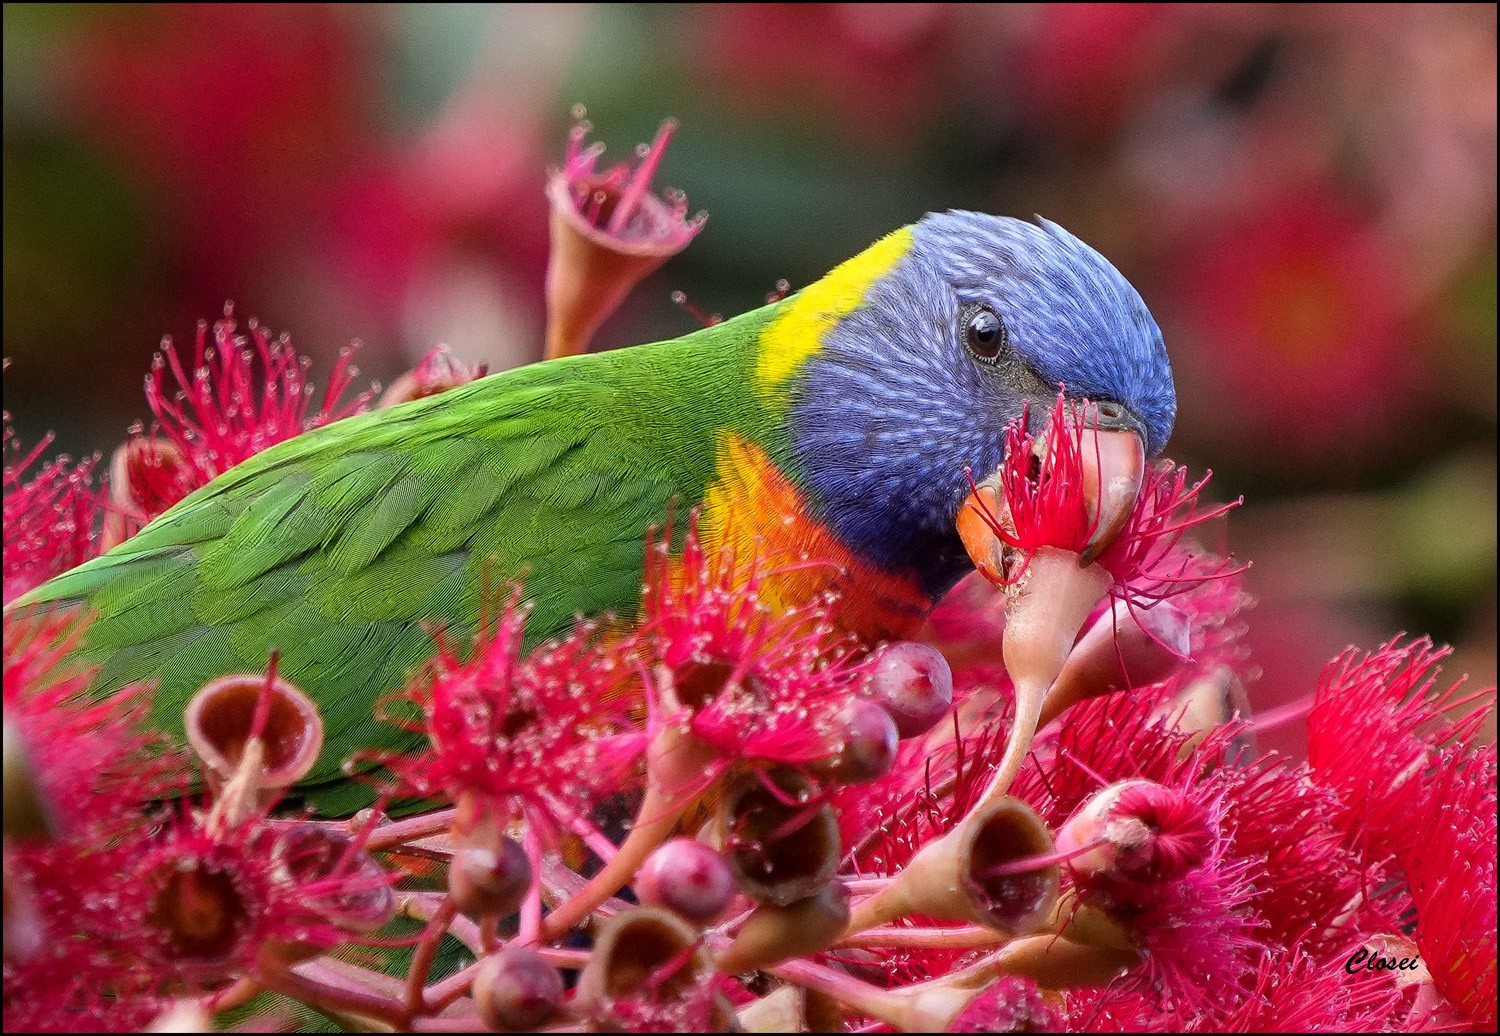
x=426, y=952
x=391, y=835
x=846, y=989
x=961, y=938
x=656, y=820
x=457, y=1023
x=333, y=994
x=442, y=994
x=531, y=908
x=599, y=843
x=1281, y=715
x=424, y=905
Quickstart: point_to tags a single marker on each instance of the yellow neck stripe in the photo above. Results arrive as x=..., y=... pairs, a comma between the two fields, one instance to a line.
x=798, y=332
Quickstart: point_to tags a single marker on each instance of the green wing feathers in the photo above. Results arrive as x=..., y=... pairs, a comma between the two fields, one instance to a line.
x=341, y=547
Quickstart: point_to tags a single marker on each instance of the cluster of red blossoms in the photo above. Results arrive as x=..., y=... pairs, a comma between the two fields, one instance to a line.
x=757, y=823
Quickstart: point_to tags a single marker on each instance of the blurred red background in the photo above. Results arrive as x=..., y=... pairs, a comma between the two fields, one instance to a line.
x=1304, y=194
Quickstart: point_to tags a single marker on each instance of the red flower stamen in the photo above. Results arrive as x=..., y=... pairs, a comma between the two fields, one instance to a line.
x=50, y=519
x=239, y=396
x=1044, y=497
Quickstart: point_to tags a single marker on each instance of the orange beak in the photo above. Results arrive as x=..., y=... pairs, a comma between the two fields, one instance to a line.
x=1114, y=464
x=979, y=539
x=1112, y=474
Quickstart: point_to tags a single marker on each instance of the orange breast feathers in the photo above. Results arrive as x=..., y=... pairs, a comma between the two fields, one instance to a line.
x=758, y=513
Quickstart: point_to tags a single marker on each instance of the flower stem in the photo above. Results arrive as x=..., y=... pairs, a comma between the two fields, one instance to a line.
x=329, y=993
x=656, y=820
x=531, y=908
x=426, y=952
x=846, y=989
x=963, y=937
x=423, y=905
x=391, y=835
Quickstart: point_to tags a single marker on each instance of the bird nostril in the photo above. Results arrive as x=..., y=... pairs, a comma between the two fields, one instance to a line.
x=1109, y=410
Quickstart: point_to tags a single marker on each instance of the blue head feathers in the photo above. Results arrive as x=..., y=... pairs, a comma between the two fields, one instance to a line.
x=1071, y=316
x=886, y=416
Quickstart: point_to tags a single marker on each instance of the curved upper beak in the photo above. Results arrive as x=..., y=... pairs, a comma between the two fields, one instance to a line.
x=1114, y=466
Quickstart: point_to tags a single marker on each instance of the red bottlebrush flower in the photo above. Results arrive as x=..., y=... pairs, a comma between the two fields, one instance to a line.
x=219, y=896
x=1291, y=991
x=84, y=969
x=1136, y=833
x=1280, y=816
x=609, y=230
x=1044, y=499
x=537, y=733
x=1450, y=866
x=1196, y=933
x=1148, y=559
x=95, y=763
x=134, y=921
x=1105, y=740
x=1045, y=504
x=750, y=683
x=49, y=519
x=1373, y=732
x=1300, y=991
x=223, y=410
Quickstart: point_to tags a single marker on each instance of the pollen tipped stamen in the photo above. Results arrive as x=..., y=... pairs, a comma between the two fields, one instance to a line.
x=640, y=181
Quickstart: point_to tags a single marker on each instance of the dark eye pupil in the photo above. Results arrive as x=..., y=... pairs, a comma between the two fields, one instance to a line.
x=985, y=333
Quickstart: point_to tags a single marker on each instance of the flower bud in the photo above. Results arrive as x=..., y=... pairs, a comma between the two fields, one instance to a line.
x=1209, y=701
x=219, y=722
x=1126, y=646
x=915, y=684
x=1141, y=831
x=489, y=874
x=517, y=990
x=687, y=878
x=868, y=750
x=772, y=934
x=780, y=846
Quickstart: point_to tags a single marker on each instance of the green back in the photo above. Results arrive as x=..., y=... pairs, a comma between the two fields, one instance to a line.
x=336, y=547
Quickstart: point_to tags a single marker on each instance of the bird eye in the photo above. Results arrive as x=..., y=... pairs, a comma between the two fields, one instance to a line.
x=984, y=333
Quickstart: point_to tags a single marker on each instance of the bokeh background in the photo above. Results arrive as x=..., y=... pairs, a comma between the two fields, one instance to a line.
x=1304, y=194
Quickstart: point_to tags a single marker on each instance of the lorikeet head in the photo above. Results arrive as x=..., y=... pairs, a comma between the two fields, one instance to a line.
x=975, y=318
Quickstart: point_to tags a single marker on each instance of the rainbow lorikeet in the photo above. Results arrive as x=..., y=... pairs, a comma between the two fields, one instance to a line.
x=838, y=422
